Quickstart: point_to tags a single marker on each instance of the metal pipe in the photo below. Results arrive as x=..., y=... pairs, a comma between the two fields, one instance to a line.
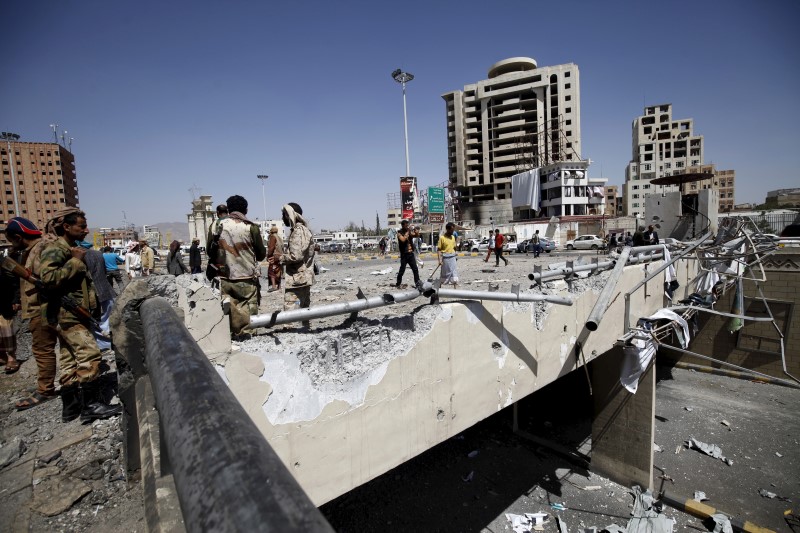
x=268, y=320
x=601, y=305
x=227, y=476
x=602, y=265
x=503, y=296
x=684, y=252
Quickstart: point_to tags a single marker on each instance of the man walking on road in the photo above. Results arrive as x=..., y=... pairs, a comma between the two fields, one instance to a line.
x=407, y=257
x=148, y=258
x=537, y=244
x=498, y=248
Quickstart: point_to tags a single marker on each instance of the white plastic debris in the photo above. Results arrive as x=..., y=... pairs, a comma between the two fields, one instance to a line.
x=527, y=522
x=383, y=272
x=690, y=409
x=779, y=454
x=709, y=449
x=472, y=454
x=657, y=448
x=700, y=496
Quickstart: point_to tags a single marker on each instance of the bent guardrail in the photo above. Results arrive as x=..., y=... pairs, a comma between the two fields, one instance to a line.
x=226, y=475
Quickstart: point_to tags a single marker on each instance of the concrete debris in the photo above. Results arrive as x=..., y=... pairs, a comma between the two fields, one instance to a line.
x=772, y=496
x=657, y=448
x=562, y=526
x=11, y=451
x=469, y=476
x=473, y=453
x=687, y=408
x=383, y=272
x=647, y=517
x=700, y=496
x=55, y=495
x=709, y=449
x=726, y=424
x=778, y=454
x=527, y=522
x=722, y=524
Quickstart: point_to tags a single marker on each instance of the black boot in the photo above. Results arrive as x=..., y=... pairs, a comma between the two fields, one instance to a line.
x=70, y=402
x=93, y=406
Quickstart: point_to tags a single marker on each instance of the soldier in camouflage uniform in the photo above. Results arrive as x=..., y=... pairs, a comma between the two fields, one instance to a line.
x=298, y=260
x=241, y=247
x=64, y=272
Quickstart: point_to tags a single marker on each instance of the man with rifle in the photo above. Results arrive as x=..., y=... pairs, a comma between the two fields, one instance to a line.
x=26, y=239
x=64, y=274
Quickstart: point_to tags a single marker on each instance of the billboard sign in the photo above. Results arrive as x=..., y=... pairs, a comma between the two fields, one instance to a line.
x=408, y=194
x=435, y=200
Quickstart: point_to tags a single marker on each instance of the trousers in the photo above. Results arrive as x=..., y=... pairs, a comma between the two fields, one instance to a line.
x=243, y=295
x=43, y=346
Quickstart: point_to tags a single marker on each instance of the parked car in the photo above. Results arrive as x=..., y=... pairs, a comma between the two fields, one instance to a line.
x=585, y=242
x=548, y=245
x=482, y=246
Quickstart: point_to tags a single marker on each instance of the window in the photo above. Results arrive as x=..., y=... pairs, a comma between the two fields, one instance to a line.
x=635, y=187
x=566, y=74
x=568, y=122
x=648, y=166
x=569, y=133
x=567, y=98
x=568, y=110
x=568, y=86
x=667, y=165
x=636, y=196
x=635, y=204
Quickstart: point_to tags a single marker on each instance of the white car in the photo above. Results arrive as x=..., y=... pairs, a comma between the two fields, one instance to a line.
x=585, y=242
x=424, y=247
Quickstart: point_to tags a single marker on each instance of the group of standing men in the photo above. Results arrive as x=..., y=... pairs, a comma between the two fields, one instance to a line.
x=58, y=298
x=237, y=248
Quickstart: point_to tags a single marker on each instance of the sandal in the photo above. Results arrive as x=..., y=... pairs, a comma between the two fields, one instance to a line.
x=12, y=367
x=33, y=400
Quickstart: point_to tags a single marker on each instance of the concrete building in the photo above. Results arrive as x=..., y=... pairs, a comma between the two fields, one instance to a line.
x=521, y=117
x=783, y=198
x=200, y=219
x=38, y=180
x=723, y=181
x=613, y=201
x=115, y=237
x=567, y=190
x=662, y=146
x=152, y=236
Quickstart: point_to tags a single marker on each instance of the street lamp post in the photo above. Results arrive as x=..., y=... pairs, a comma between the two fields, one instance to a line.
x=402, y=78
x=8, y=136
x=263, y=178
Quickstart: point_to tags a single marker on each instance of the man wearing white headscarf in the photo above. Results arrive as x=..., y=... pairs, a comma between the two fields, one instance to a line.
x=298, y=260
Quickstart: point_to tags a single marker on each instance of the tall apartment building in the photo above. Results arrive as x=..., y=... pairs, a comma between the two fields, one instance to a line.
x=662, y=146
x=38, y=180
x=521, y=117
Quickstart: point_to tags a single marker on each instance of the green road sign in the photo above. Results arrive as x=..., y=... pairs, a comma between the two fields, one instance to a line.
x=435, y=200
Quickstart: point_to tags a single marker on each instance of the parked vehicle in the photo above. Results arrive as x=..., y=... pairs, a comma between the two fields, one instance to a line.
x=482, y=246
x=585, y=242
x=424, y=247
x=548, y=245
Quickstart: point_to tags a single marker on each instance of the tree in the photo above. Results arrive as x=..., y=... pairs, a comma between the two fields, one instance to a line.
x=377, y=224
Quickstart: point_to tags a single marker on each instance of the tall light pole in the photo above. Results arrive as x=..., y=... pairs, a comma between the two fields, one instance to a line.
x=8, y=136
x=402, y=78
x=263, y=178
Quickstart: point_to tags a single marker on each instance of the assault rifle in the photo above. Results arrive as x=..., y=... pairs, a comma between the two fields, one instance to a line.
x=67, y=301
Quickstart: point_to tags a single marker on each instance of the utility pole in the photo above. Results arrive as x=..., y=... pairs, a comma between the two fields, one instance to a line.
x=402, y=78
x=263, y=178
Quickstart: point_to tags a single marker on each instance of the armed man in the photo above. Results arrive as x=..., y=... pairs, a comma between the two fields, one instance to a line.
x=64, y=273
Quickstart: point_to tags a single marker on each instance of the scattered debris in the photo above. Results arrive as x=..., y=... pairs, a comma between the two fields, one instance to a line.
x=591, y=487
x=666, y=477
x=469, y=476
x=657, y=448
x=690, y=409
x=700, y=496
x=779, y=454
x=709, y=449
x=727, y=425
x=562, y=526
x=772, y=496
x=722, y=524
x=473, y=453
x=646, y=516
x=678, y=449
x=11, y=451
x=558, y=506
x=383, y=272
x=527, y=522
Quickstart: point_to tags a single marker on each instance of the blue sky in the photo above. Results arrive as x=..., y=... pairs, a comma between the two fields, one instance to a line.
x=164, y=96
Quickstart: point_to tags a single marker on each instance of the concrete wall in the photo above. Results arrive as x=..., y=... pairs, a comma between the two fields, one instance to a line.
x=473, y=360
x=715, y=339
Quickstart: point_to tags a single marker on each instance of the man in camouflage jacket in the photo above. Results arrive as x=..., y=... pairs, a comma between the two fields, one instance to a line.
x=64, y=273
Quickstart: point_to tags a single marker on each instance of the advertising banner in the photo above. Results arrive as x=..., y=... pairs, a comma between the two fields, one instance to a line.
x=408, y=193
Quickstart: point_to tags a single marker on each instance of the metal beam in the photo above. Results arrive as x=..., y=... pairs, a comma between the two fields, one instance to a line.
x=601, y=305
x=227, y=476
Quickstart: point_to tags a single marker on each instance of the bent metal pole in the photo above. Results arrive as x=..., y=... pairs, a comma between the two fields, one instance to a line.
x=268, y=320
x=608, y=290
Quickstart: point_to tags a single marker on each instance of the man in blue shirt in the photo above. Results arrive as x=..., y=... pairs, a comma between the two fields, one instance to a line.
x=113, y=273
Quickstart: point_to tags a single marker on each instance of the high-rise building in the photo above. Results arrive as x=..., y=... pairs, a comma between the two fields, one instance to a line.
x=613, y=200
x=662, y=146
x=38, y=180
x=522, y=117
x=724, y=181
